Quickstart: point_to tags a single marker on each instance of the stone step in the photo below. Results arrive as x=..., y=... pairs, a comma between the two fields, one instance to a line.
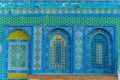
x=71, y=77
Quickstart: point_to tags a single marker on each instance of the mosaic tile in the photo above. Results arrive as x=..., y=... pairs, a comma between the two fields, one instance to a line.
x=17, y=56
x=78, y=49
x=17, y=49
x=57, y=62
x=104, y=34
x=68, y=20
x=63, y=10
x=37, y=48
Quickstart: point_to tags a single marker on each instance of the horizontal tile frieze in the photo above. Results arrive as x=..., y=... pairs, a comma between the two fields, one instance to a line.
x=9, y=11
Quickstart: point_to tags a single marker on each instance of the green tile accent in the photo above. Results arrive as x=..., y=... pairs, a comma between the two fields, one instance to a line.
x=37, y=65
x=37, y=57
x=37, y=33
x=37, y=49
x=37, y=41
x=47, y=20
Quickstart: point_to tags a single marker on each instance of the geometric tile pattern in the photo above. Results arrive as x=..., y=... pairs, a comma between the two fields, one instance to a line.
x=50, y=56
x=52, y=20
x=18, y=55
x=63, y=10
x=48, y=29
x=7, y=31
x=78, y=48
x=68, y=20
x=108, y=32
x=59, y=20
x=99, y=52
x=58, y=52
x=37, y=48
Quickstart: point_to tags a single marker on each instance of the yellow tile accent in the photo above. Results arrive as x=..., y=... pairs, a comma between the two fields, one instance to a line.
x=18, y=35
x=17, y=75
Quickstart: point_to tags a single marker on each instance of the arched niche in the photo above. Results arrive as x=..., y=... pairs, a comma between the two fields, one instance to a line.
x=99, y=52
x=57, y=52
x=17, y=50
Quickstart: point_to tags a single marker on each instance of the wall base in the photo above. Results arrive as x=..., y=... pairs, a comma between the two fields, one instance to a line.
x=70, y=77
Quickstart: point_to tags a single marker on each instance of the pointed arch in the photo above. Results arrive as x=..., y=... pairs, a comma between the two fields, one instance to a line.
x=58, y=52
x=99, y=51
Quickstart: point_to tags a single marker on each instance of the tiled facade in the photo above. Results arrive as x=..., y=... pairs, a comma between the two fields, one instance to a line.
x=59, y=38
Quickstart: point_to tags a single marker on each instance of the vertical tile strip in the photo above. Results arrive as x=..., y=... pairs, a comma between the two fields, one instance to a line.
x=37, y=48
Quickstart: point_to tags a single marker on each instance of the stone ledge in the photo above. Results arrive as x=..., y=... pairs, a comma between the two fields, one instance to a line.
x=70, y=77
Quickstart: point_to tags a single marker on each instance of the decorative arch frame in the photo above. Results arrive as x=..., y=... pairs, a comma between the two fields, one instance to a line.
x=7, y=30
x=92, y=34
x=22, y=44
x=66, y=36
